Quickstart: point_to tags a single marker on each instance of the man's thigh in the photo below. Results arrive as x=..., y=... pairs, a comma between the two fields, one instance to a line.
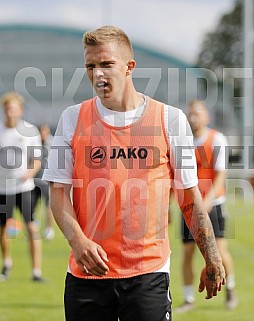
x=26, y=204
x=217, y=217
x=89, y=300
x=140, y=298
x=7, y=204
x=145, y=298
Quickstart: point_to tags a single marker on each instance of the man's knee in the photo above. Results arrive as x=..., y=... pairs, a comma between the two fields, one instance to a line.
x=33, y=230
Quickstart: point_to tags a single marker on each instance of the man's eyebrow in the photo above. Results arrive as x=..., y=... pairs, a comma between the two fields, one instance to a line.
x=89, y=65
x=107, y=62
x=102, y=63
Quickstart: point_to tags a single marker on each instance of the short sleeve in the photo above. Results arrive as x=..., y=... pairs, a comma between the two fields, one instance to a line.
x=182, y=153
x=33, y=138
x=59, y=167
x=219, y=146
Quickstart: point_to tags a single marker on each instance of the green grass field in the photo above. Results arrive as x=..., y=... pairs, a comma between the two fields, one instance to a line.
x=23, y=300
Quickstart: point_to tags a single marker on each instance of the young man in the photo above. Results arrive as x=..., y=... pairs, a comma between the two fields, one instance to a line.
x=19, y=162
x=210, y=146
x=117, y=151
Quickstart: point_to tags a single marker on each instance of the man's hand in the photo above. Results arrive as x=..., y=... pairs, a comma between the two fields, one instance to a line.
x=90, y=257
x=32, y=170
x=211, y=279
x=29, y=174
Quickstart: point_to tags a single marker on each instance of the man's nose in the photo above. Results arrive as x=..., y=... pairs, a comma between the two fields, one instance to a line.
x=98, y=72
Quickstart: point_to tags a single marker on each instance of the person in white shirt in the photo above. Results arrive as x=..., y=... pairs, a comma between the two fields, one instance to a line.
x=20, y=152
x=110, y=167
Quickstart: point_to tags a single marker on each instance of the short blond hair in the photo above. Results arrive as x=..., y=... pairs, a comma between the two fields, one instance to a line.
x=12, y=96
x=108, y=34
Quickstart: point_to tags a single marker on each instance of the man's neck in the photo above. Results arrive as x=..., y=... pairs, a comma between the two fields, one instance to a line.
x=198, y=133
x=129, y=100
x=11, y=123
x=123, y=105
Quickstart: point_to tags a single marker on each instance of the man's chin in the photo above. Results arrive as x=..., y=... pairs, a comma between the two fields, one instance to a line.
x=194, y=128
x=103, y=95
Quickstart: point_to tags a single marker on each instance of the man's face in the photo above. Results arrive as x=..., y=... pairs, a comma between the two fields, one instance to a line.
x=13, y=110
x=197, y=116
x=106, y=68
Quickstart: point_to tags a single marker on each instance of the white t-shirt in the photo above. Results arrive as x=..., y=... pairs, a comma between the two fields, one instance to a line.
x=60, y=165
x=18, y=146
x=60, y=161
x=220, y=159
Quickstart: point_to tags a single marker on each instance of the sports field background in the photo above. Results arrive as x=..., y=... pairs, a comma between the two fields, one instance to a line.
x=23, y=300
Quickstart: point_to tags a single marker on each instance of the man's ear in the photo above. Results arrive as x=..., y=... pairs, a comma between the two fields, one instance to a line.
x=130, y=67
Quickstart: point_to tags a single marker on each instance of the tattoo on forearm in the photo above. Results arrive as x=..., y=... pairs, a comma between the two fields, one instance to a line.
x=187, y=208
x=211, y=275
x=202, y=231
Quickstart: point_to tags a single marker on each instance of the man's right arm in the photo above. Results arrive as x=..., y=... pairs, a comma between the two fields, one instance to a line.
x=90, y=256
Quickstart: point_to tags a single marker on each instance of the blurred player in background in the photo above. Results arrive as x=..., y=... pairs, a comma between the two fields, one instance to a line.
x=20, y=151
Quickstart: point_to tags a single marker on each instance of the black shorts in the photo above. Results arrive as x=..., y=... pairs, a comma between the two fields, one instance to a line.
x=41, y=190
x=23, y=201
x=140, y=298
x=217, y=217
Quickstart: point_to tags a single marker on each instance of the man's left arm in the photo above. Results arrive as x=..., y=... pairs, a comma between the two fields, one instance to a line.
x=213, y=275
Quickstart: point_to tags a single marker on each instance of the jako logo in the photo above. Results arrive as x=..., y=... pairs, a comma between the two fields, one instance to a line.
x=97, y=154
x=113, y=156
x=128, y=153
